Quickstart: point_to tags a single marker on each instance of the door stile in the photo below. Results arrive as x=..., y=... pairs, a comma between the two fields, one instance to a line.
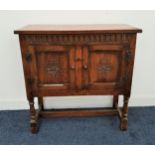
x=72, y=67
x=78, y=68
x=85, y=69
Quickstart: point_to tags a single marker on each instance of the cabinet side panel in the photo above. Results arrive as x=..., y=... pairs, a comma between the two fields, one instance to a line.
x=132, y=40
x=26, y=67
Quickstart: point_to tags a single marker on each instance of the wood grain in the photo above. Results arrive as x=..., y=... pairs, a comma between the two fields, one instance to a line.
x=63, y=29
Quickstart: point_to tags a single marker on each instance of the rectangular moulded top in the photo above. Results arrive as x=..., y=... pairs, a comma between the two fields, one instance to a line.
x=77, y=29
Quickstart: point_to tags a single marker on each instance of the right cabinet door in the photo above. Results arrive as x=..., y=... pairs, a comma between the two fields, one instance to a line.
x=106, y=68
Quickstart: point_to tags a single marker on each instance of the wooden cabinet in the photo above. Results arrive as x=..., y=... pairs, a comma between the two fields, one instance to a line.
x=78, y=60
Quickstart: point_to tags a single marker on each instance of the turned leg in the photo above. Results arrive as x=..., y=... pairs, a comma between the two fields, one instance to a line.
x=124, y=117
x=33, y=116
x=115, y=101
x=41, y=103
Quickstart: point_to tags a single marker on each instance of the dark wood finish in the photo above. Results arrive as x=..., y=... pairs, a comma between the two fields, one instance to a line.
x=33, y=116
x=41, y=103
x=78, y=60
x=115, y=101
x=79, y=112
x=78, y=29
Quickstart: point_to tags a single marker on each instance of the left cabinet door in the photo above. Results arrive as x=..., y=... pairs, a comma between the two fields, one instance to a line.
x=52, y=69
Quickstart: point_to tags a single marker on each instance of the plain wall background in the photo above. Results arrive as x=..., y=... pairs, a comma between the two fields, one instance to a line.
x=12, y=87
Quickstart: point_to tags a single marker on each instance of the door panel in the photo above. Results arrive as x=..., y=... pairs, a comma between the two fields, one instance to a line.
x=53, y=67
x=105, y=66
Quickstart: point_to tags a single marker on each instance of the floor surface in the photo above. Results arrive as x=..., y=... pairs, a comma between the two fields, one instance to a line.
x=14, y=129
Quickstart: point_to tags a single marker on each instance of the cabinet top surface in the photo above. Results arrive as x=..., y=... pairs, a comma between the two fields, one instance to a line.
x=77, y=29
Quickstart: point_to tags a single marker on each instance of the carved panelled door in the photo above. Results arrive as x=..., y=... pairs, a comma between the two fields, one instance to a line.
x=59, y=70
x=103, y=67
x=54, y=67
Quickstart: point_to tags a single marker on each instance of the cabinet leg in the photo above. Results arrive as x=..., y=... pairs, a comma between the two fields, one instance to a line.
x=41, y=103
x=115, y=101
x=33, y=117
x=124, y=118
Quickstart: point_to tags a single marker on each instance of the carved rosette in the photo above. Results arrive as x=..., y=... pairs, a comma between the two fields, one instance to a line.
x=104, y=66
x=75, y=38
x=53, y=68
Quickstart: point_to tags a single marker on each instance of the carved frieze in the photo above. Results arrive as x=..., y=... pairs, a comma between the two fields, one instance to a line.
x=75, y=38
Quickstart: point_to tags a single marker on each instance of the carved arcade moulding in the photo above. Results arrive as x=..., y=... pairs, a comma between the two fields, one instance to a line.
x=71, y=39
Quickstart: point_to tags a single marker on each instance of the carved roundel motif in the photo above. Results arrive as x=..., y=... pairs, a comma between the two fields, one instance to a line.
x=53, y=68
x=104, y=66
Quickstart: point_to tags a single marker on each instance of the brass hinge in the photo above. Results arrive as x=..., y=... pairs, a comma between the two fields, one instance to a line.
x=122, y=82
x=125, y=79
x=30, y=81
x=28, y=56
x=127, y=52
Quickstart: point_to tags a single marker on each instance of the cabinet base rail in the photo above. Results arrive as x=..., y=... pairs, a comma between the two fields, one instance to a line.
x=41, y=112
x=78, y=112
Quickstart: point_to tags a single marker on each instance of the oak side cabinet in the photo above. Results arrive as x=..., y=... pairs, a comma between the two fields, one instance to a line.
x=64, y=60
